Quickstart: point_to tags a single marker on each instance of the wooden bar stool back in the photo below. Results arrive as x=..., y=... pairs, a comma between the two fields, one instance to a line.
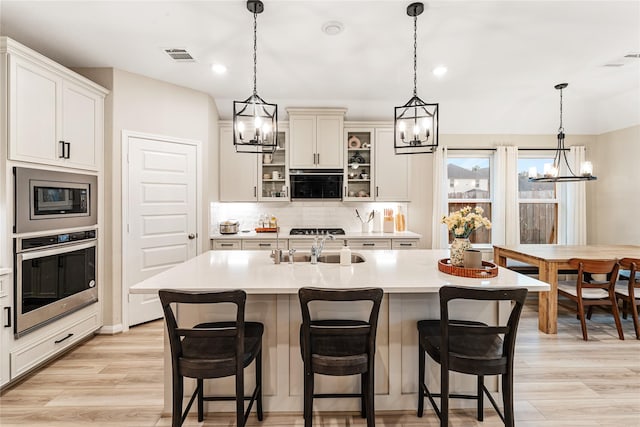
x=470, y=347
x=629, y=290
x=212, y=350
x=339, y=347
x=594, y=292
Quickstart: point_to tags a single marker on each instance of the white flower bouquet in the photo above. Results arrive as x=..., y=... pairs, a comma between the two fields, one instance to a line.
x=463, y=222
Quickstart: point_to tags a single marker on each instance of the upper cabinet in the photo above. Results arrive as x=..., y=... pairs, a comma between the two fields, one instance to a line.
x=316, y=138
x=54, y=115
x=391, y=171
x=359, y=161
x=246, y=177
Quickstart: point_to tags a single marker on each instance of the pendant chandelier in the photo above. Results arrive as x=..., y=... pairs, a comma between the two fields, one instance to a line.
x=416, y=122
x=255, y=122
x=551, y=171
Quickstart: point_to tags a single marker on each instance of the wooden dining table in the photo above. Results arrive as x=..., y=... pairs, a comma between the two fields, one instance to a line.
x=550, y=259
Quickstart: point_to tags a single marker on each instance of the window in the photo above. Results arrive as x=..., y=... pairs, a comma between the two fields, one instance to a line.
x=471, y=178
x=538, y=204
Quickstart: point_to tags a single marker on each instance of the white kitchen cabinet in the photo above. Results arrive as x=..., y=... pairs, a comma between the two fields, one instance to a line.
x=226, y=245
x=55, y=116
x=264, y=244
x=246, y=177
x=304, y=245
x=6, y=325
x=404, y=244
x=238, y=171
x=391, y=170
x=371, y=244
x=316, y=138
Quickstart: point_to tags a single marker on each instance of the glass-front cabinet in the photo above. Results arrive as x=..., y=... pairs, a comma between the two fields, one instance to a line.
x=273, y=180
x=359, y=161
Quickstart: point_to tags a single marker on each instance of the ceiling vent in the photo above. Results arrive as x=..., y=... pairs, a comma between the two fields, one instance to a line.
x=179, y=55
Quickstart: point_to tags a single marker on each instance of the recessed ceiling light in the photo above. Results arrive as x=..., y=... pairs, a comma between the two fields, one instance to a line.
x=332, y=28
x=218, y=68
x=440, y=71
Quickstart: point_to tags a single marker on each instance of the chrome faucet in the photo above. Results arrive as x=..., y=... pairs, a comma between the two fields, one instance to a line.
x=318, y=246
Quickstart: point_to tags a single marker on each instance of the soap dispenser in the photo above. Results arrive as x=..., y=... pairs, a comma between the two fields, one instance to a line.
x=345, y=255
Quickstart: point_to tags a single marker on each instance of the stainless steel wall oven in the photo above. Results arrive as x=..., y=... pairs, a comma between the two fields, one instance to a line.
x=55, y=275
x=55, y=245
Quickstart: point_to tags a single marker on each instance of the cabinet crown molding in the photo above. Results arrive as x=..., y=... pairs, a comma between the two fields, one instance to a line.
x=10, y=46
x=316, y=111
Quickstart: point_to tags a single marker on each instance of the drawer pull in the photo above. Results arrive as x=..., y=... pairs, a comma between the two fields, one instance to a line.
x=226, y=245
x=406, y=244
x=8, y=322
x=264, y=245
x=368, y=244
x=63, y=339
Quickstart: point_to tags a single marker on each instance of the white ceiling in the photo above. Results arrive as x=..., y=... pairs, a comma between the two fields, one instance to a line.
x=504, y=57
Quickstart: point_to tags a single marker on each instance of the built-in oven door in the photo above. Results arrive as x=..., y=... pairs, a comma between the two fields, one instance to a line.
x=53, y=282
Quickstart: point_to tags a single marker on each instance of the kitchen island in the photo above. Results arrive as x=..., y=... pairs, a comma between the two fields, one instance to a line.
x=410, y=280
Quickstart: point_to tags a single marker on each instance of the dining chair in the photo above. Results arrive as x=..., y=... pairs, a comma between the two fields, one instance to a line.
x=339, y=347
x=593, y=292
x=629, y=291
x=212, y=350
x=470, y=347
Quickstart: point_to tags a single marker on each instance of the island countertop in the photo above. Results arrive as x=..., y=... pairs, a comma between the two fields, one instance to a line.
x=395, y=271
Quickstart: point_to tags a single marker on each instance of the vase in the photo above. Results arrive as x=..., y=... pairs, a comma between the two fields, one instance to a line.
x=459, y=245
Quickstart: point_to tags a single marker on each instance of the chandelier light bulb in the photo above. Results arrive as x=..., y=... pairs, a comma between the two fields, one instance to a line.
x=586, y=169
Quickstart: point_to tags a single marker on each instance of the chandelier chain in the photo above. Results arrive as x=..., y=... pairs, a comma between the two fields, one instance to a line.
x=415, y=55
x=255, y=52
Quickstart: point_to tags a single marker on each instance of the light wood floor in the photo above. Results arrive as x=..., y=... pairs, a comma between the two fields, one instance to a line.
x=560, y=380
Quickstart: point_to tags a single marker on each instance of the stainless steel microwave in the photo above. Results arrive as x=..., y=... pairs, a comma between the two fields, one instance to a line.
x=49, y=200
x=312, y=184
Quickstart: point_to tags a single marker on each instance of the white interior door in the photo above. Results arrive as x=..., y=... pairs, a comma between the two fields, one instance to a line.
x=161, y=219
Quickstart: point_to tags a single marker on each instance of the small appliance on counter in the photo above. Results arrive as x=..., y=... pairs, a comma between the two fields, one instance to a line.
x=230, y=226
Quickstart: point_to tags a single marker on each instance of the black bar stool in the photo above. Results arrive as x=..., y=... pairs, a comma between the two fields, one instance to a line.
x=470, y=347
x=339, y=347
x=213, y=350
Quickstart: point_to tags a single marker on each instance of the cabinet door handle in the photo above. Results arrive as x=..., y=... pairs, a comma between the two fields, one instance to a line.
x=63, y=339
x=376, y=191
x=7, y=324
x=68, y=150
x=286, y=190
x=264, y=245
x=345, y=192
x=318, y=158
x=62, y=147
x=255, y=191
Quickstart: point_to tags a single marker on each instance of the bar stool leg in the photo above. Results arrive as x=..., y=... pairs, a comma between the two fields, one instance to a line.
x=200, y=386
x=308, y=399
x=363, y=391
x=480, y=398
x=444, y=396
x=371, y=413
x=507, y=398
x=258, y=363
x=421, y=368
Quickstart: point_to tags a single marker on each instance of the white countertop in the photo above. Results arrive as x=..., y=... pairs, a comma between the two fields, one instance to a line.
x=284, y=234
x=395, y=271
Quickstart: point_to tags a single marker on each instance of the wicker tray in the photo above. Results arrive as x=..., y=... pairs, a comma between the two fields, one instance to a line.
x=489, y=269
x=267, y=229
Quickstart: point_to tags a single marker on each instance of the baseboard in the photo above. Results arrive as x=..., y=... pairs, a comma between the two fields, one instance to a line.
x=110, y=329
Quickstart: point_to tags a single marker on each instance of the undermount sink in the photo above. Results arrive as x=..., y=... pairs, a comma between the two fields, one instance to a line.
x=335, y=258
x=328, y=258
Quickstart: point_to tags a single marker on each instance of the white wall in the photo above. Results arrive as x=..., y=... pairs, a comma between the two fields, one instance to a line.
x=141, y=104
x=613, y=201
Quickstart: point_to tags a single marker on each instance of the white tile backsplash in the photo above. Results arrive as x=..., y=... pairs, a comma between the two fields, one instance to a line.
x=300, y=214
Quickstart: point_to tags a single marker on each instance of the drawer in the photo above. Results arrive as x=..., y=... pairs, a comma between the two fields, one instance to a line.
x=370, y=244
x=263, y=244
x=226, y=244
x=404, y=244
x=26, y=358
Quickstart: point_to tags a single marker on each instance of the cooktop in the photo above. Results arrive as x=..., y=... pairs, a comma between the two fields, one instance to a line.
x=314, y=231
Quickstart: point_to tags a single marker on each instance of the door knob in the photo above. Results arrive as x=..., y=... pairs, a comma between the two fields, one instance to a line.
x=191, y=236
